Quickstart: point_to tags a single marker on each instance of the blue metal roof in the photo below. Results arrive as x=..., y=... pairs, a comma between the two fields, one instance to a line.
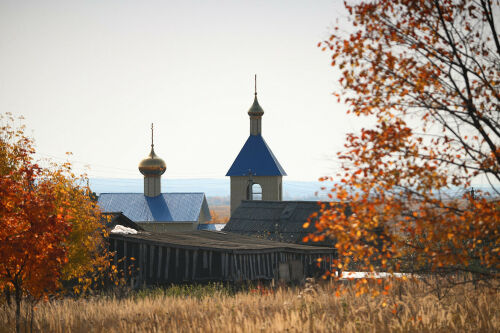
x=166, y=207
x=256, y=157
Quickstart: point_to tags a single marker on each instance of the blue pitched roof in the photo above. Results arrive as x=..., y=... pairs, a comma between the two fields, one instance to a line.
x=257, y=157
x=166, y=207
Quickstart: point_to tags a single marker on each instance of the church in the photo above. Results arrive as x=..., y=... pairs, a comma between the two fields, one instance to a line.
x=257, y=206
x=261, y=241
x=256, y=196
x=255, y=174
x=154, y=210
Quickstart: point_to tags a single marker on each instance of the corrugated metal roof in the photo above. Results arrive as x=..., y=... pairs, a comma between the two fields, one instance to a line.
x=276, y=220
x=211, y=226
x=257, y=157
x=166, y=207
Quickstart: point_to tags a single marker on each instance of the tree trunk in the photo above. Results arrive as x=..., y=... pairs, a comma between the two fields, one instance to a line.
x=18, y=298
x=8, y=296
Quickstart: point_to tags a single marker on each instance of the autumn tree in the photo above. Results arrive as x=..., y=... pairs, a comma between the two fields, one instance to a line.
x=50, y=228
x=88, y=257
x=427, y=72
x=218, y=216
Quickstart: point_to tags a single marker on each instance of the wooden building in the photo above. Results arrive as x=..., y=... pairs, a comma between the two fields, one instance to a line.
x=196, y=256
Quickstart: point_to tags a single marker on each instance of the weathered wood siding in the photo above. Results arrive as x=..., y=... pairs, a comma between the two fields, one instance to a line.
x=156, y=263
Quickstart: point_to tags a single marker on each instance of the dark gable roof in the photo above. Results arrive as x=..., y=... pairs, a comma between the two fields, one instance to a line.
x=276, y=220
x=257, y=157
x=117, y=218
x=166, y=207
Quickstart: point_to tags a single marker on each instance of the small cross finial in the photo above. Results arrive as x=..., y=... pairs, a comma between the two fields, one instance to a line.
x=255, y=83
x=250, y=174
x=152, y=131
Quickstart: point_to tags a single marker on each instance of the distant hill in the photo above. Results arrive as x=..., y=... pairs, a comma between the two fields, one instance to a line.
x=292, y=190
x=217, y=190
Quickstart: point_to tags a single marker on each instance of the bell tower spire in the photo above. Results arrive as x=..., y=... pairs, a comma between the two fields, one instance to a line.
x=255, y=84
x=152, y=136
x=255, y=113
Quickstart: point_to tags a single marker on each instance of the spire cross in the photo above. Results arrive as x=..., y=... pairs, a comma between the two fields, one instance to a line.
x=255, y=82
x=250, y=174
x=152, y=131
x=250, y=185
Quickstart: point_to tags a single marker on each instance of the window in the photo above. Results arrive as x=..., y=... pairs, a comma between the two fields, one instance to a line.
x=256, y=192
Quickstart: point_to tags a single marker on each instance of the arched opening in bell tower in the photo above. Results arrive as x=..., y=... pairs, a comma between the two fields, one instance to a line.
x=254, y=191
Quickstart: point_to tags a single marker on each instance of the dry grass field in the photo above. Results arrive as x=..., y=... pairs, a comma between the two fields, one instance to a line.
x=304, y=309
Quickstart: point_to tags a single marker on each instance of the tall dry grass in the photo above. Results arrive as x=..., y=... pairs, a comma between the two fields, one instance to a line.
x=311, y=309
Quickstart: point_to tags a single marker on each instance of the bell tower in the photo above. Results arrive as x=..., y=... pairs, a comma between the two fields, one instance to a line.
x=255, y=174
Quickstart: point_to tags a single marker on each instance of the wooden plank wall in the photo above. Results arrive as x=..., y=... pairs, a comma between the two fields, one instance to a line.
x=146, y=263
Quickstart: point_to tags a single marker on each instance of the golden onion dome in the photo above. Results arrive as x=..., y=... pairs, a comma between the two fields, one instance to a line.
x=152, y=165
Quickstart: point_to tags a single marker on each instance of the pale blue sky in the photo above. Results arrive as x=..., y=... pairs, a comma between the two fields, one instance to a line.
x=90, y=77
